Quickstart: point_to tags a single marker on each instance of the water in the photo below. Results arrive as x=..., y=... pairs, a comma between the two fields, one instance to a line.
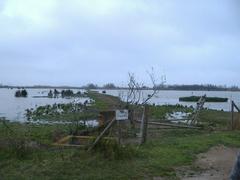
x=172, y=97
x=13, y=108
x=88, y=123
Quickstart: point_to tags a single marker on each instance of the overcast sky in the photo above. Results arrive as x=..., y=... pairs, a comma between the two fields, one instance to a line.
x=74, y=42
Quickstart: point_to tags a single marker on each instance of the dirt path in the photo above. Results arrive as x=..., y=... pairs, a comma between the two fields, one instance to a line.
x=104, y=101
x=216, y=164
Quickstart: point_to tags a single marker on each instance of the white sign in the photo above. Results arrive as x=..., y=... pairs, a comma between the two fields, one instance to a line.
x=121, y=115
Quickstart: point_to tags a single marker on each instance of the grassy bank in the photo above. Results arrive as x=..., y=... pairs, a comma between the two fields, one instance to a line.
x=104, y=102
x=164, y=151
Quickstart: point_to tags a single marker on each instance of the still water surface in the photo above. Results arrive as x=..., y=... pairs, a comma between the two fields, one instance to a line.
x=172, y=97
x=14, y=108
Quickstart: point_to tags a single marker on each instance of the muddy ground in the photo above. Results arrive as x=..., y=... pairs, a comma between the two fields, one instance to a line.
x=216, y=164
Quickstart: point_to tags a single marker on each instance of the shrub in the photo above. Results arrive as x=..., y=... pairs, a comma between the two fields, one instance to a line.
x=21, y=93
x=208, y=99
x=110, y=149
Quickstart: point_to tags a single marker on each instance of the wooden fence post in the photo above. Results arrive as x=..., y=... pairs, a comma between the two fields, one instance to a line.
x=232, y=111
x=234, y=106
x=144, y=124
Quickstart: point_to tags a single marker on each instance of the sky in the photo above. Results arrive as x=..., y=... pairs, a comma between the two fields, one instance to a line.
x=62, y=42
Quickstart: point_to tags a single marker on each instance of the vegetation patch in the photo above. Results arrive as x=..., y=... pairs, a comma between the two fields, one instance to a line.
x=104, y=102
x=159, y=157
x=161, y=112
x=164, y=151
x=21, y=93
x=75, y=111
x=110, y=149
x=208, y=99
x=65, y=94
x=62, y=112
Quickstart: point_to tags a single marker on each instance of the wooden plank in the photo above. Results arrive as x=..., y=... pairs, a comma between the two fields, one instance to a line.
x=102, y=134
x=155, y=120
x=69, y=145
x=171, y=125
x=234, y=105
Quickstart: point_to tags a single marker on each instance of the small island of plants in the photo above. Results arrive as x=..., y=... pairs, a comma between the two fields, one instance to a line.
x=208, y=99
x=65, y=94
x=21, y=93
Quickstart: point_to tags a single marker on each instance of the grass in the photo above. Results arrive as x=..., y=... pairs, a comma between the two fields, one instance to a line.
x=44, y=134
x=163, y=152
x=180, y=148
x=215, y=119
x=160, y=112
x=104, y=102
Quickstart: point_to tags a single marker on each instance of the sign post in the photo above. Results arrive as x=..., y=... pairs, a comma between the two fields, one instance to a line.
x=121, y=115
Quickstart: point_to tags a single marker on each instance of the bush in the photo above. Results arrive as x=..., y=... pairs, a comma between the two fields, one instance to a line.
x=208, y=99
x=110, y=149
x=21, y=93
x=67, y=93
x=20, y=147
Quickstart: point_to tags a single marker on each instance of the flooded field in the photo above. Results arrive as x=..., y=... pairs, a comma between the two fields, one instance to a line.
x=172, y=97
x=14, y=108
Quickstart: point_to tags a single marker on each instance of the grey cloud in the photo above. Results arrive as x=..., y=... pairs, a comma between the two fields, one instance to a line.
x=192, y=42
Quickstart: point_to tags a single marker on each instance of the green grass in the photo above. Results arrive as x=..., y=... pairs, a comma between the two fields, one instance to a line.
x=215, y=119
x=162, y=153
x=104, y=102
x=44, y=134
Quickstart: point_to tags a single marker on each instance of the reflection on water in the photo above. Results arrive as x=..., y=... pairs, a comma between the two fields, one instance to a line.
x=14, y=108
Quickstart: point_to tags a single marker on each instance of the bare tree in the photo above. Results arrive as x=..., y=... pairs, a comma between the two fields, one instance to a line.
x=135, y=95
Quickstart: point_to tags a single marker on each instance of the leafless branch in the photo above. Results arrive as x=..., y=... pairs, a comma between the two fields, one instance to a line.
x=135, y=89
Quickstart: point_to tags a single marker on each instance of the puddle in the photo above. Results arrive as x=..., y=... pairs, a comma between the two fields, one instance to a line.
x=88, y=123
x=178, y=117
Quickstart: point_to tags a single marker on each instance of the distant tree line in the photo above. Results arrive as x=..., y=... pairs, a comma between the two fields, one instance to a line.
x=194, y=87
x=95, y=86
x=208, y=87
